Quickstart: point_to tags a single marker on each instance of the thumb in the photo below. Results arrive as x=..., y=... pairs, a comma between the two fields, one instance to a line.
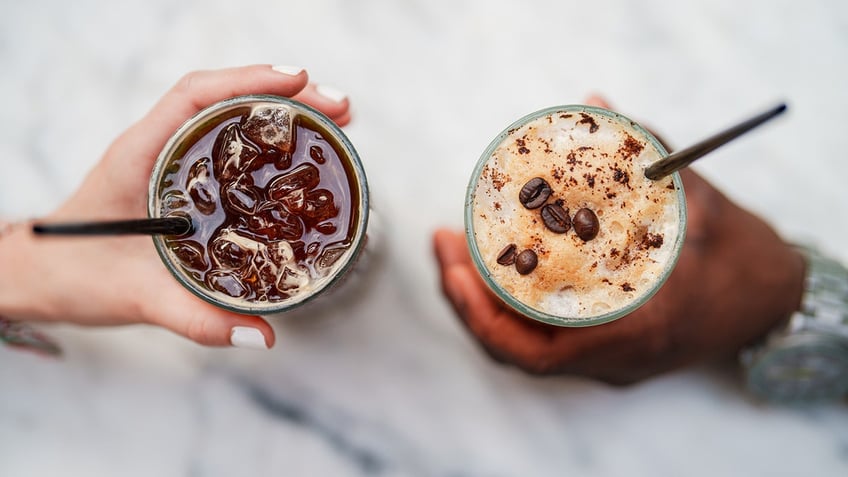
x=208, y=325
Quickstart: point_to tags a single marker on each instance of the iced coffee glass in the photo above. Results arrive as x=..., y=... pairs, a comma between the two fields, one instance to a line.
x=563, y=225
x=277, y=197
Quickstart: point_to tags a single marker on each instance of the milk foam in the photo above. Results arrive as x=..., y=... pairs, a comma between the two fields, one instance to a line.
x=593, y=161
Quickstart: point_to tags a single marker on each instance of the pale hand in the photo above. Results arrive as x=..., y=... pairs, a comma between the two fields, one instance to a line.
x=121, y=280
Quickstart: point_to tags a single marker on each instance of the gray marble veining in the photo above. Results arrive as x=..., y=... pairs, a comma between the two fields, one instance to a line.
x=392, y=384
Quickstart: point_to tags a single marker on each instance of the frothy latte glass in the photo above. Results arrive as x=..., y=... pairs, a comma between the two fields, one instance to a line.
x=562, y=223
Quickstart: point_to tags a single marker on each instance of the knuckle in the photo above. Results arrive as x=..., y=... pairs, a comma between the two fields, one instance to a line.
x=495, y=355
x=198, y=330
x=184, y=85
x=540, y=365
x=139, y=308
x=655, y=347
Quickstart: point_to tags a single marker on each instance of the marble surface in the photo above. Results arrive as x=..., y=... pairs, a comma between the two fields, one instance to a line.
x=391, y=384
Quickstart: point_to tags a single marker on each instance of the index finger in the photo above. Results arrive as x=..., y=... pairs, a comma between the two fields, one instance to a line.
x=199, y=89
x=501, y=331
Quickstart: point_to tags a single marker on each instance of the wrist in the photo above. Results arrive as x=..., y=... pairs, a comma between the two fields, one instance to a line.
x=18, y=259
x=15, y=306
x=781, y=296
x=791, y=297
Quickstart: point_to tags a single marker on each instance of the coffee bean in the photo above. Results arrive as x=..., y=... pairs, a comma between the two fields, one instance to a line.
x=534, y=193
x=556, y=218
x=586, y=224
x=507, y=255
x=526, y=261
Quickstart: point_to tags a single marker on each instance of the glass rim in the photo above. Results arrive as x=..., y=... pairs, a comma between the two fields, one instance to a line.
x=260, y=307
x=507, y=297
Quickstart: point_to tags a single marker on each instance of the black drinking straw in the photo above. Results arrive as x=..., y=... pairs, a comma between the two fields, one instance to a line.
x=158, y=226
x=680, y=159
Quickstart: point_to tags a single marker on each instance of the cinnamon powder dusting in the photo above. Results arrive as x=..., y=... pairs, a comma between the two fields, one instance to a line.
x=630, y=147
x=499, y=179
x=593, y=126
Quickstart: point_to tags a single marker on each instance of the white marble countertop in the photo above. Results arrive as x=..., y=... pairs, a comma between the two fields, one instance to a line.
x=394, y=385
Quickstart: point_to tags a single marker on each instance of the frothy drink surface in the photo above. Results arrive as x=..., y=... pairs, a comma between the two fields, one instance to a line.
x=589, y=161
x=273, y=199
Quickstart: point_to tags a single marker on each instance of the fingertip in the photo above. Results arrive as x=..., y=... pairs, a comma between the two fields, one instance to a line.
x=251, y=336
x=443, y=233
x=218, y=328
x=342, y=120
x=332, y=94
x=292, y=71
x=270, y=336
x=174, y=308
x=597, y=100
x=454, y=289
x=469, y=295
x=330, y=101
x=450, y=247
x=291, y=79
x=440, y=236
x=199, y=89
x=252, y=332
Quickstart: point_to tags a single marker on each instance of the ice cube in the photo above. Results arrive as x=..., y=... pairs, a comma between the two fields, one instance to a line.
x=232, y=156
x=317, y=154
x=274, y=222
x=270, y=126
x=330, y=255
x=233, y=251
x=304, y=176
x=281, y=160
x=226, y=282
x=200, y=188
x=294, y=201
x=319, y=206
x=204, y=198
x=173, y=201
x=283, y=252
x=190, y=254
x=241, y=196
x=326, y=228
x=293, y=277
x=198, y=172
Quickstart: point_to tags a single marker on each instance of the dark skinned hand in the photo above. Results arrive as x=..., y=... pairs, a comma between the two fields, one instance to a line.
x=735, y=280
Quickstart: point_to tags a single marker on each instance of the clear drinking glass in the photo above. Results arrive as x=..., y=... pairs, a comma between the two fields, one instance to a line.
x=202, y=125
x=590, y=116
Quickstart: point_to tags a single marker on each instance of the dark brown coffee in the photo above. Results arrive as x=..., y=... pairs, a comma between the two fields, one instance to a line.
x=273, y=199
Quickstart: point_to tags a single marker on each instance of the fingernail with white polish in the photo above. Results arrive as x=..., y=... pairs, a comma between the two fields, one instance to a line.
x=246, y=337
x=288, y=70
x=330, y=93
